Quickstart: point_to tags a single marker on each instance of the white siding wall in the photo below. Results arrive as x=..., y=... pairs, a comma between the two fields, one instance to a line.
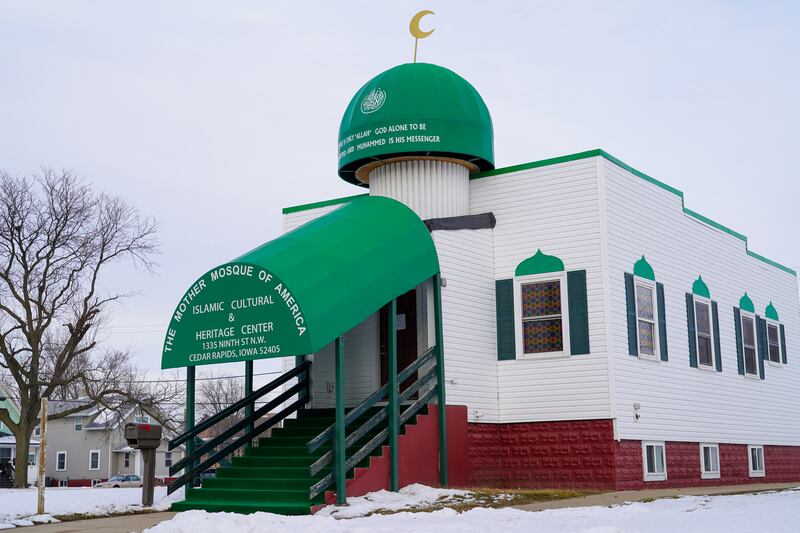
x=678, y=402
x=555, y=208
x=468, y=321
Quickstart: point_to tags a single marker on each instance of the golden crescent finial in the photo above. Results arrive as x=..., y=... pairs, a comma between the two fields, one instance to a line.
x=413, y=26
x=416, y=32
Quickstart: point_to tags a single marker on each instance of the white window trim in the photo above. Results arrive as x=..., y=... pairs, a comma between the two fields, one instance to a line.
x=58, y=454
x=707, y=302
x=561, y=277
x=777, y=325
x=171, y=459
x=703, y=473
x=756, y=473
x=76, y=419
x=126, y=459
x=90, y=459
x=750, y=316
x=659, y=476
x=650, y=284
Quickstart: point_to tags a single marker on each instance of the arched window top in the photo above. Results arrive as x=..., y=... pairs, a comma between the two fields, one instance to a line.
x=746, y=304
x=771, y=312
x=643, y=269
x=700, y=288
x=539, y=263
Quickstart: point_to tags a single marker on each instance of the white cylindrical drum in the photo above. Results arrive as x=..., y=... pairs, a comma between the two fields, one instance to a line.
x=432, y=188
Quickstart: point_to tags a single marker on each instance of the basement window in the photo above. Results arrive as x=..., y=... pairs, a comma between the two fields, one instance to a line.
x=709, y=461
x=755, y=461
x=654, y=460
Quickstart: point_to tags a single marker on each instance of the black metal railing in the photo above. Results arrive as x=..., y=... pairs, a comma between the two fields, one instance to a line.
x=359, y=433
x=227, y=441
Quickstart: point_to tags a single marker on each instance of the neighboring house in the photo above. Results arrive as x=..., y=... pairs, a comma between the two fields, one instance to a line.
x=8, y=445
x=89, y=446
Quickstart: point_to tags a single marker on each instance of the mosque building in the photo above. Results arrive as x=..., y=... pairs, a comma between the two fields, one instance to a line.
x=582, y=326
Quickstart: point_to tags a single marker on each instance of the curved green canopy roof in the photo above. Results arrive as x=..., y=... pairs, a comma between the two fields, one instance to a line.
x=297, y=293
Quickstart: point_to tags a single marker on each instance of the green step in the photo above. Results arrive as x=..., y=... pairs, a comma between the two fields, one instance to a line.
x=257, y=483
x=262, y=469
x=233, y=506
x=254, y=495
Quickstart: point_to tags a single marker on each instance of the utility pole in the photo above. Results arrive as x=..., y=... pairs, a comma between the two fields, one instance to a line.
x=42, y=456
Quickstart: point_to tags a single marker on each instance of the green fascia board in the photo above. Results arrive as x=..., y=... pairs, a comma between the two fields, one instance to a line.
x=325, y=278
x=746, y=304
x=601, y=153
x=323, y=203
x=700, y=288
x=643, y=269
x=539, y=263
x=9, y=405
x=771, y=312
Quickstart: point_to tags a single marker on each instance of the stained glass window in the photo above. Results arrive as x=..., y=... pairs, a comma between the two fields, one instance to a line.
x=702, y=318
x=749, y=342
x=646, y=319
x=541, y=317
x=772, y=340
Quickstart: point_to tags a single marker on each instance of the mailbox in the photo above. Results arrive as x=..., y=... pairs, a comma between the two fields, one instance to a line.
x=143, y=436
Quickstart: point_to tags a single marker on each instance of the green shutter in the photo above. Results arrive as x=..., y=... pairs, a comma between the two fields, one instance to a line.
x=761, y=341
x=504, y=300
x=783, y=345
x=630, y=299
x=737, y=326
x=662, y=322
x=578, y=312
x=692, y=331
x=717, y=344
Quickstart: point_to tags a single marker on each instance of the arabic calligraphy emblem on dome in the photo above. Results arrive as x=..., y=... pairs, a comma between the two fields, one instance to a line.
x=373, y=101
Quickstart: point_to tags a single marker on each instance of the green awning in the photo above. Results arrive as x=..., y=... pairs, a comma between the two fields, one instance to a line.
x=297, y=293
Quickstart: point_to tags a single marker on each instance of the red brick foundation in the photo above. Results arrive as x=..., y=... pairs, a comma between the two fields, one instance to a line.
x=583, y=454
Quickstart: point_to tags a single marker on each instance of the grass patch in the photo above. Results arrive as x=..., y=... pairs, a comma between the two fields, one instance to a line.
x=88, y=516
x=491, y=498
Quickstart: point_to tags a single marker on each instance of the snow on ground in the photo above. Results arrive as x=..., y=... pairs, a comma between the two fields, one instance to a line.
x=775, y=512
x=414, y=495
x=18, y=506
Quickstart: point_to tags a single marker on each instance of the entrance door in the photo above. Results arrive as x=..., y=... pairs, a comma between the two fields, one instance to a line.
x=406, y=336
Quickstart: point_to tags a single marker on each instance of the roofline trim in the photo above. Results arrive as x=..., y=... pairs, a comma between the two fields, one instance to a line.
x=323, y=203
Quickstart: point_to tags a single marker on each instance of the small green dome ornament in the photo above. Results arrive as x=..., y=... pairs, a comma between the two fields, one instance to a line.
x=414, y=110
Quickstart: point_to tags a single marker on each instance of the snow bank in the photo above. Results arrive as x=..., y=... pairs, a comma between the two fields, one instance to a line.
x=18, y=506
x=414, y=495
x=774, y=512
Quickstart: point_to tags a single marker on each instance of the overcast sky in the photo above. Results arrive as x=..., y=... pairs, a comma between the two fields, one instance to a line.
x=212, y=116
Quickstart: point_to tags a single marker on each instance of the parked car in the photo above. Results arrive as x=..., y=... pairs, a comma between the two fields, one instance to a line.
x=121, y=481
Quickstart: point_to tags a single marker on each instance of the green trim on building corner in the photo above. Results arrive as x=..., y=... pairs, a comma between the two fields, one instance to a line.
x=746, y=304
x=643, y=269
x=700, y=288
x=771, y=312
x=323, y=203
x=602, y=153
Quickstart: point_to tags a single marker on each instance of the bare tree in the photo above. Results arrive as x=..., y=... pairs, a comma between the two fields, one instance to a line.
x=216, y=394
x=56, y=239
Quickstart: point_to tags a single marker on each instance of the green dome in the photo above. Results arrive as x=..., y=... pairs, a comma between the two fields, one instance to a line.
x=416, y=109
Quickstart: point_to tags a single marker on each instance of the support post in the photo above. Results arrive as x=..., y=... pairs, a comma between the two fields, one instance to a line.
x=339, y=429
x=190, y=372
x=394, y=407
x=442, y=405
x=42, y=457
x=299, y=360
x=248, y=390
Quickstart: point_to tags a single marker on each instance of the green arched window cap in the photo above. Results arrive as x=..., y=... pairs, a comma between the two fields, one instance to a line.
x=643, y=269
x=700, y=288
x=746, y=304
x=539, y=263
x=771, y=312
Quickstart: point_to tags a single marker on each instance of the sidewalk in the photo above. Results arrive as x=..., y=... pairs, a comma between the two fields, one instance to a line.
x=614, y=498
x=113, y=524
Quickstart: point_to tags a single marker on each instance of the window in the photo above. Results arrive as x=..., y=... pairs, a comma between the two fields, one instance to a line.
x=94, y=460
x=756, y=461
x=773, y=341
x=32, y=458
x=541, y=305
x=654, y=461
x=143, y=419
x=61, y=461
x=37, y=431
x=709, y=461
x=78, y=423
x=127, y=459
x=167, y=458
x=646, y=318
x=702, y=320
x=749, y=345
